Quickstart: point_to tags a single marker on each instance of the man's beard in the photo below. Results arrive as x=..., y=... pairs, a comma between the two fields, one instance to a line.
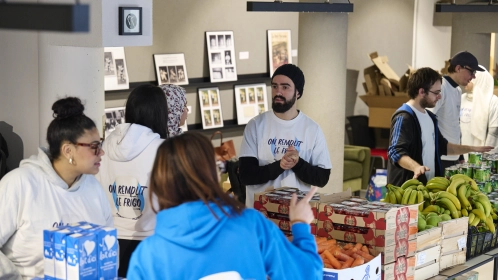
x=424, y=103
x=283, y=107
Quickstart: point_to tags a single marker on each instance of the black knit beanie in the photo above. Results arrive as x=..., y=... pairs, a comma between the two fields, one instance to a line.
x=294, y=73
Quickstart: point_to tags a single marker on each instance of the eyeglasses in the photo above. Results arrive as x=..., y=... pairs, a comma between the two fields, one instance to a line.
x=97, y=146
x=472, y=71
x=435, y=93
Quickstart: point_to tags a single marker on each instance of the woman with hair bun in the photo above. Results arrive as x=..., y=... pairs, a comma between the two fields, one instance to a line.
x=55, y=187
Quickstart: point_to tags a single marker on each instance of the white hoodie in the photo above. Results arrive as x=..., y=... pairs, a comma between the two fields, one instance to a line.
x=33, y=198
x=125, y=169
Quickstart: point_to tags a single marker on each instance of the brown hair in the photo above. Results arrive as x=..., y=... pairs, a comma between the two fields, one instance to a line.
x=185, y=170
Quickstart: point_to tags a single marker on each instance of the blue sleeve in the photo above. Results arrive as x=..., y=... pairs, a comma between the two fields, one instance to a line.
x=286, y=260
x=134, y=267
x=400, y=138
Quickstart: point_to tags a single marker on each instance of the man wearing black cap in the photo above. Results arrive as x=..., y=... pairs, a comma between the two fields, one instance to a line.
x=283, y=147
x=461, y=71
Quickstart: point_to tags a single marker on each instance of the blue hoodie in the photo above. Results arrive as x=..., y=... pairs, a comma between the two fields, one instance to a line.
x=190, y=243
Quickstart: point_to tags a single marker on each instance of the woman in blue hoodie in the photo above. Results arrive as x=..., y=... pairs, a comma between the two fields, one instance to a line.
x=202, y=231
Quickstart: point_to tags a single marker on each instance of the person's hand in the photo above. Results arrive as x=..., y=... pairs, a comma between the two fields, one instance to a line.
x=483, y=149
x=300, y=212
x=420, y=171
x=290, y=158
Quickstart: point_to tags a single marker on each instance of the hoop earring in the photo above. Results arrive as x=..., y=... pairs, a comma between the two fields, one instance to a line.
x=71, y=160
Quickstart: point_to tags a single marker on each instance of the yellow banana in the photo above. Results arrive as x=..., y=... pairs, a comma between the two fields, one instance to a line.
x=461, y=196
x=478, y=205
x=490, y=224
x=471, y=217
x=397, y=194
x=426, y=193
x=484, y=200
x=479, y=213
x=420, y=199
x=413, y=197
x=409, y=183
x=475, y=221
x=454, y=184
x=430, y=208
x=440, y=180
x=464, y=212
x=467, y=179
x=452, y=198
x=406, y=196
x=387, y=199
x=393, y=198
x=493, y=215
x=435, y=187
x=447, y=204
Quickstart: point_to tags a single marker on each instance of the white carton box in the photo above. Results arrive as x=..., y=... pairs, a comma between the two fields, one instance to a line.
x=81, y=256
x=48, y=253
x=60, y=252
x=107, y=241
x=371, y=270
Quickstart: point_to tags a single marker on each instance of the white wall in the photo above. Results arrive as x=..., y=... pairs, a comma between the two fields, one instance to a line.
x=431, y=44
x=385, y=26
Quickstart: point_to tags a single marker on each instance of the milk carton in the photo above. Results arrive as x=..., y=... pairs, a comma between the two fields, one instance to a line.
x=107, y=241
x=60, y=252
x=48, y=253
x=81, y=256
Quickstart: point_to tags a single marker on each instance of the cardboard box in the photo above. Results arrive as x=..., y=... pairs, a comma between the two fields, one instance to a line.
x=285, y=226
x=370, y=270
x=375, y=219
x=454, y=227
x=391, y=253
x=369, y=236
x=453, y=244
x=382, y=108
x=427, y=272
x=278, y=200
x=451, y=260
x=403, y=268
x=428, y=238
x=427, y=257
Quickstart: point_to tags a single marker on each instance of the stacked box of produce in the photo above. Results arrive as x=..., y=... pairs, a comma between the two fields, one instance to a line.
x=453, y=242
x=274, y=204
x=428, y=253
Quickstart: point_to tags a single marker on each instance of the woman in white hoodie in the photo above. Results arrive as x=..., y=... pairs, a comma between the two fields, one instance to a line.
x=152, y=114
x=55, y=187
x=479, y=112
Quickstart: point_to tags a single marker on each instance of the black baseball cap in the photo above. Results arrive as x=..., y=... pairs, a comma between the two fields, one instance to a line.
x=466, y=59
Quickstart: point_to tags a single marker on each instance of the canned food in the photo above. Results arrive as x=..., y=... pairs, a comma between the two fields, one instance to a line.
x=467, y=170
x=487, y=173
x=475, y=158
x=479, y=175
x=487, y=187
x=494, y=165
x=450, y=171
x=480, y=186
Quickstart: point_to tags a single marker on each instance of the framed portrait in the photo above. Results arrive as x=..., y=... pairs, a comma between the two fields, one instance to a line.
x=113, y=118
x=221, y=56
x=279, y=48
x=250, y=101
x=210, y=104
x=115, y=71
x=171, y=69
x=130, y=21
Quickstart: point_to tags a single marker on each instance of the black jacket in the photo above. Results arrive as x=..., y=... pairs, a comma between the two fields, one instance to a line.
x=406, y=139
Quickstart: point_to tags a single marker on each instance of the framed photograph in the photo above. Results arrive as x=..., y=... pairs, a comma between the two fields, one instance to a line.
x=171, y=69
x=279, y=48
x=113, y=117
x=210, y=104
x=115, y=71
x=130, y=21
x=250, y=101
x=221, y=56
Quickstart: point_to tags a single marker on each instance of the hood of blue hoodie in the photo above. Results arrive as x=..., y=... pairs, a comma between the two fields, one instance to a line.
x=191, y=225
x=128, y=141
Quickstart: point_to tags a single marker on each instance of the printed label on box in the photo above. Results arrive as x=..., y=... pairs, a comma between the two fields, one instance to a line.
x=81, y=256
x=48, y=253
x=107, y=240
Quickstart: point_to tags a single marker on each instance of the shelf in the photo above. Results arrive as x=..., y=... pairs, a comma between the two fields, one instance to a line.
x=227, y=124
x=205, y=82
x=466, y=8
x=321, y=7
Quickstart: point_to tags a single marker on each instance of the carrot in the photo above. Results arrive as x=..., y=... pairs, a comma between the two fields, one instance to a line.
x=365, y=249
x=354, y=256
x=320, y=240
x=357, y=247
x=348, y=246
x=367, y=256
x=328, y=265
x=322, y=247
x=348, y=263
x=333, y=261
x=357, y=262
x=340, y=255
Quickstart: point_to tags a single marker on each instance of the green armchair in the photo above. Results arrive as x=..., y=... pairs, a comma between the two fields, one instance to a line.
x=356, y=168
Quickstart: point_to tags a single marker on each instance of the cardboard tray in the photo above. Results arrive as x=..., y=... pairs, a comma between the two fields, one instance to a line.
x=369, y=270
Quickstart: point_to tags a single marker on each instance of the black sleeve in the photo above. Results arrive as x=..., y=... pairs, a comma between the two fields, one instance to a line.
x=250, y=173
x=310, y=174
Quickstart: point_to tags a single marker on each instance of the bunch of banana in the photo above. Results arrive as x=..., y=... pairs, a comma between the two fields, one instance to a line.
x=437, y=184
x=482, y=211
x=394, y=194
x=412, y=192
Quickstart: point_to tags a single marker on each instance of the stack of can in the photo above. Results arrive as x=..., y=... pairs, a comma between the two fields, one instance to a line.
x=480, y=167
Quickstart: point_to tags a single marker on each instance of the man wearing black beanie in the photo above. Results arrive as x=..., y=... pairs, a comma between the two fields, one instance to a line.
x=283, y=147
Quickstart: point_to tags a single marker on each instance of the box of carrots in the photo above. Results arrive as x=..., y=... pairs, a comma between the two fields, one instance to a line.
x=347, y=260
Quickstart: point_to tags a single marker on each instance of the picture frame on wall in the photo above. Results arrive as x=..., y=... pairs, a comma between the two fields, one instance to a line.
x=221, y=56
x=210, y=105
x=130, y=21
x=171, y=69
x=115, y=70
x=279, y=48
x=113, y=118
x=250, y=101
